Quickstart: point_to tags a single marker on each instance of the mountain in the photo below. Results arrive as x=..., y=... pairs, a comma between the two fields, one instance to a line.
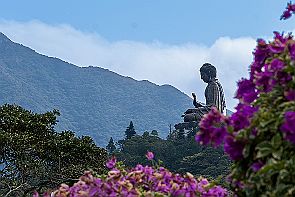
x=93, y=101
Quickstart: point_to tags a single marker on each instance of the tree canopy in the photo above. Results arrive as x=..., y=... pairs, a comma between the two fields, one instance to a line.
x=178, y=155
x=33, y=156
x=130, y=131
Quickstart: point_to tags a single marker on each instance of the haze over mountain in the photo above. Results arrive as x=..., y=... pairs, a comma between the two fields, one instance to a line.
x=92, y=100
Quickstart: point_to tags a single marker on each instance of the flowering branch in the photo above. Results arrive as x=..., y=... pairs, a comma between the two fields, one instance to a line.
x=290, y=9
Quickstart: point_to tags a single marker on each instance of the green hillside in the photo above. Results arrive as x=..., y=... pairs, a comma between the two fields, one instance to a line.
x=92, y=100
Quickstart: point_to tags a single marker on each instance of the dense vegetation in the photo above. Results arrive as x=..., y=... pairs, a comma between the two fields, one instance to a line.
x=179, y=155
x=92, y=101
x=33, y=156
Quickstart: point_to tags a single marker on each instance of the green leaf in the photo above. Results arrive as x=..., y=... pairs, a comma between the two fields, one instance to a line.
x=263, y=152
x=264, y=149
x=264, y=124
x=246, y=150
x=278, y=154
x=264, y=145
x=270, y=167
x=283, y=174
x=291, y=191
x=276, y=141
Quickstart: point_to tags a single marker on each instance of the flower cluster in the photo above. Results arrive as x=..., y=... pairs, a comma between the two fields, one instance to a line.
x=290, y=9
x=288, y=127
x=214, y=125
x=150, y=155
x=212, y=128
x=140, y=181
x=111, y=163
x=268, y=74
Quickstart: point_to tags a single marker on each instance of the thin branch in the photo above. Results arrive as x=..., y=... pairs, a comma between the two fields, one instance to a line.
x=15, y=189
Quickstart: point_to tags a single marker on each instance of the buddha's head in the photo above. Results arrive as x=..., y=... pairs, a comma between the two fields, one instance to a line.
x=208, y=72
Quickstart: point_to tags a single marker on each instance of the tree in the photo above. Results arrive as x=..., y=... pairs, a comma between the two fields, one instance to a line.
x=145, y=134
x=130, y=131
x=111, y=146
x=33, y=156
x=178, y=155
x=181, y=134
x=155, y=133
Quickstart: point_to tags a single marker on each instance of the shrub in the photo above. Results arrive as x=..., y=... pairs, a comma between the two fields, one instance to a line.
x=260, y=136
x=33, y=156
x=139, y=181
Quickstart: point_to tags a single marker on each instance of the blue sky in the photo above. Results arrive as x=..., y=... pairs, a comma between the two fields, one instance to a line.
x=169, y=21
x=158, y=40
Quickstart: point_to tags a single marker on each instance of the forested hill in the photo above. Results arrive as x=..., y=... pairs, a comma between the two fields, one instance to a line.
x=92, y=101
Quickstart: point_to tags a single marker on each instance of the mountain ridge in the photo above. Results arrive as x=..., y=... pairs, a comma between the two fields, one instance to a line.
x=92, y=100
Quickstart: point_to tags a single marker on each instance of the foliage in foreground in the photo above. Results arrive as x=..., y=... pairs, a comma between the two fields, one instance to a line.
x=139, y=181
x=33, y=156
x=260, y=136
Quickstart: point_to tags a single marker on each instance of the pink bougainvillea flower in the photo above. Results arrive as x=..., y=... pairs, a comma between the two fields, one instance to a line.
x=288, y=126
x=150, y=155
x=257, y=166
x=35, y=194
x=241, y=118
x=276, y=65
x=288, y=12
x=111, y=163
x=290, y=95
x=291, y=48
x=246, y=91
x=264, y=80
x=212, y=128
x=234, y=148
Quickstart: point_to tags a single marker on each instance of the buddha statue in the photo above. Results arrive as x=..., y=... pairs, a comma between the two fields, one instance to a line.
x=213, y=93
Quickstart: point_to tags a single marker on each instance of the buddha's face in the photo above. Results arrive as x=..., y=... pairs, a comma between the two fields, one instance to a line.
x=205, y=77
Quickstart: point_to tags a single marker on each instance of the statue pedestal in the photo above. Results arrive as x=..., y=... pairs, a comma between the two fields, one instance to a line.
x=191, y=118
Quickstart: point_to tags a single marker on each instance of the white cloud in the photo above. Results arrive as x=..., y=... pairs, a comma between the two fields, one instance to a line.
x=160, y=63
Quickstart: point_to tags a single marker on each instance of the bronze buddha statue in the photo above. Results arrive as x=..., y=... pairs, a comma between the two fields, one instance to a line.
x=213, y=93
